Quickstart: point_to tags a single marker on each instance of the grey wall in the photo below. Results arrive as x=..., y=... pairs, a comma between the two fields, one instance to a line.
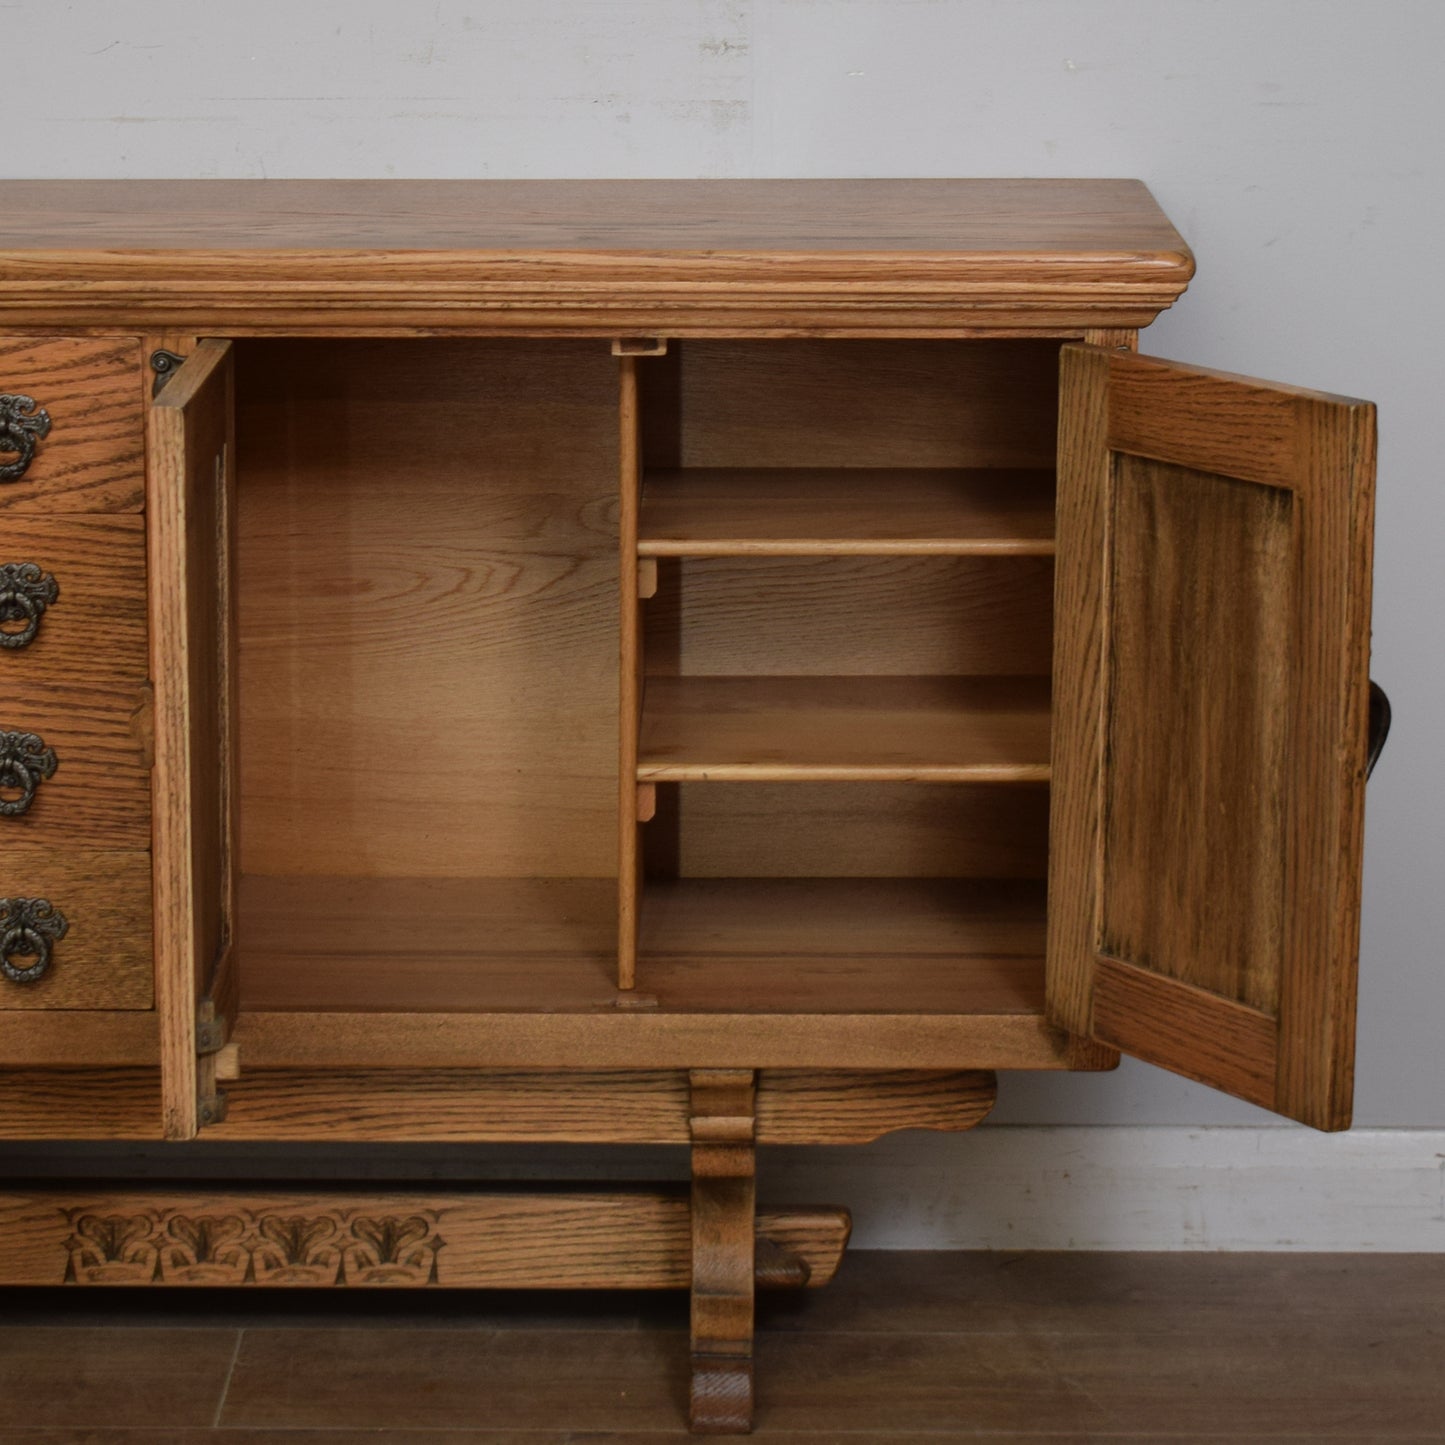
x=1298, y=144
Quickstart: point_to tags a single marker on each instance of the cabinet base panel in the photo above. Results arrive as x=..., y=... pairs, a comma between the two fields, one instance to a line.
x=478, y=1239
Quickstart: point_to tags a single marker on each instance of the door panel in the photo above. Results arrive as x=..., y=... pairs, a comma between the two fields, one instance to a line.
x=1211, y=695
x=1201, y=582
x=190, y=512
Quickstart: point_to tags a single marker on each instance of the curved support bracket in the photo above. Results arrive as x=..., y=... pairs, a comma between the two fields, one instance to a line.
x=724, y=1265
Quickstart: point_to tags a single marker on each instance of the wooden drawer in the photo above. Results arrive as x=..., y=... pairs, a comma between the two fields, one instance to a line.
x=91, y=456
x=81, y=682
x=104, y=959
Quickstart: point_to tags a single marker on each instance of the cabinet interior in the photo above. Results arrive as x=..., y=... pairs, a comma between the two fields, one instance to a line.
x=844, y=652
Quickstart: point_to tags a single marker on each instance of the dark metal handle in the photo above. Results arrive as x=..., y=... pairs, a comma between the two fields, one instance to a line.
x=29, y=928
x=1379, y=725
x=25, y=593
x=23, y=426
x=25, y=763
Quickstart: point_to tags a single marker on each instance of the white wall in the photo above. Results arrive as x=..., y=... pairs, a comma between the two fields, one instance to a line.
x=1298, y=144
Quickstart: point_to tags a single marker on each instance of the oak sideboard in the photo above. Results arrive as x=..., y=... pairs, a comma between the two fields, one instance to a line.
x=682, y=663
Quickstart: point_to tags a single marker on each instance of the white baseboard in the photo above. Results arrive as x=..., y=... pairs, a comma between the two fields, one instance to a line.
x=1131, y=1188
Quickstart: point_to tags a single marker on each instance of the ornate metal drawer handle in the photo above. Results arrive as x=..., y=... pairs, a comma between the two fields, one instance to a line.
x=29, y=928
x=25, y=762
x=25, y=593
x=23, y=425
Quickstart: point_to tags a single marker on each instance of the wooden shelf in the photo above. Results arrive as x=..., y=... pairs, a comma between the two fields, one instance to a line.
x=819, y=729
x=781, y=512
x=545, y=945
x=752, y=972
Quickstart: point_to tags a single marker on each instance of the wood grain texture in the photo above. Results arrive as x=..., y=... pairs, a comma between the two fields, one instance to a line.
x=613, y=1037
x=100, y=793
x=540, y=991
x=93, y=459
x=192, y=443
x=1201, y=633
x=1244, y=541
x=842, y=616
x=864, y=404
x=83, y=682
x=724, y=1205
x=537, y=945
x=506, y=921
x=462, y=1105
x=112, y=1038
x=809, y=511
x=1194, y=1031
x=602, y=257
x=616, y=1106
x=858, y=729
x=1330, y=706
x=93, y=636
x=80, y=1103
x=891, y=920
x=1075, y=824
x=805, y=1106
x=850, y=830
x=473, y=1239
x=629, y=672
x=1116, y=338
x=104, y=961
x=428, y=571
x=1215, y=421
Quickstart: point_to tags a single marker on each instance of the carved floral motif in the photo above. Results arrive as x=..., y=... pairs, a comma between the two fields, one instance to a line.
x=251, y=1247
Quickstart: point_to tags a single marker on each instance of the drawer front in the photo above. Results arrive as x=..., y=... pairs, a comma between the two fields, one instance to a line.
x=73, y=672
x=100, y=956
x=72, y=425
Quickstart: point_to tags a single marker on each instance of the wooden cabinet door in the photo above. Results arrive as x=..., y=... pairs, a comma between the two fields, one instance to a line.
x=192, y=645
x=1210, y=725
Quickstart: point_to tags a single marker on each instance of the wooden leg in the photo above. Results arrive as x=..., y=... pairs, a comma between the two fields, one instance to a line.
x=724, y=1202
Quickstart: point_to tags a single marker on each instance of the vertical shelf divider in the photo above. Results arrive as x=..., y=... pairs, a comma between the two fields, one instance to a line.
x=629, y=658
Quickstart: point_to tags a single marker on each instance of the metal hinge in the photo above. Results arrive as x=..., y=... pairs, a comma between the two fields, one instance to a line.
x=211, y=1108
x=211, y=1030
x=165, y=364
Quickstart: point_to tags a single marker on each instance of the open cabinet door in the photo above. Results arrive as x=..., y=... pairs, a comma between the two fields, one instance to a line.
x=192, y=665
x=1210, y=725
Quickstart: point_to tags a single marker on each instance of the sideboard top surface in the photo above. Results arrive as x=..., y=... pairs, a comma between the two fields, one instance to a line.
x=714, y=257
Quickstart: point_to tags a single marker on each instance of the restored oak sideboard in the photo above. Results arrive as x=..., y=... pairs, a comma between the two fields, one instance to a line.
x=694, y=663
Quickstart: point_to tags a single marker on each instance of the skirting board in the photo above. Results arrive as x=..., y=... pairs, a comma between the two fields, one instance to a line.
x=1131, y=1188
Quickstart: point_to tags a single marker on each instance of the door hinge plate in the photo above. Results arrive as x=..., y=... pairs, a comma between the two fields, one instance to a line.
x=211, y=1029
x=164, y=364
x=211, y=1108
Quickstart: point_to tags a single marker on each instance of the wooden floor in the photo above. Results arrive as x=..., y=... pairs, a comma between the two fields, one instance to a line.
x=902, y=1350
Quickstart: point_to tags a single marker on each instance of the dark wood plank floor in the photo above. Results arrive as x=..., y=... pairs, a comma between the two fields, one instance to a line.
x=903, y=1349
